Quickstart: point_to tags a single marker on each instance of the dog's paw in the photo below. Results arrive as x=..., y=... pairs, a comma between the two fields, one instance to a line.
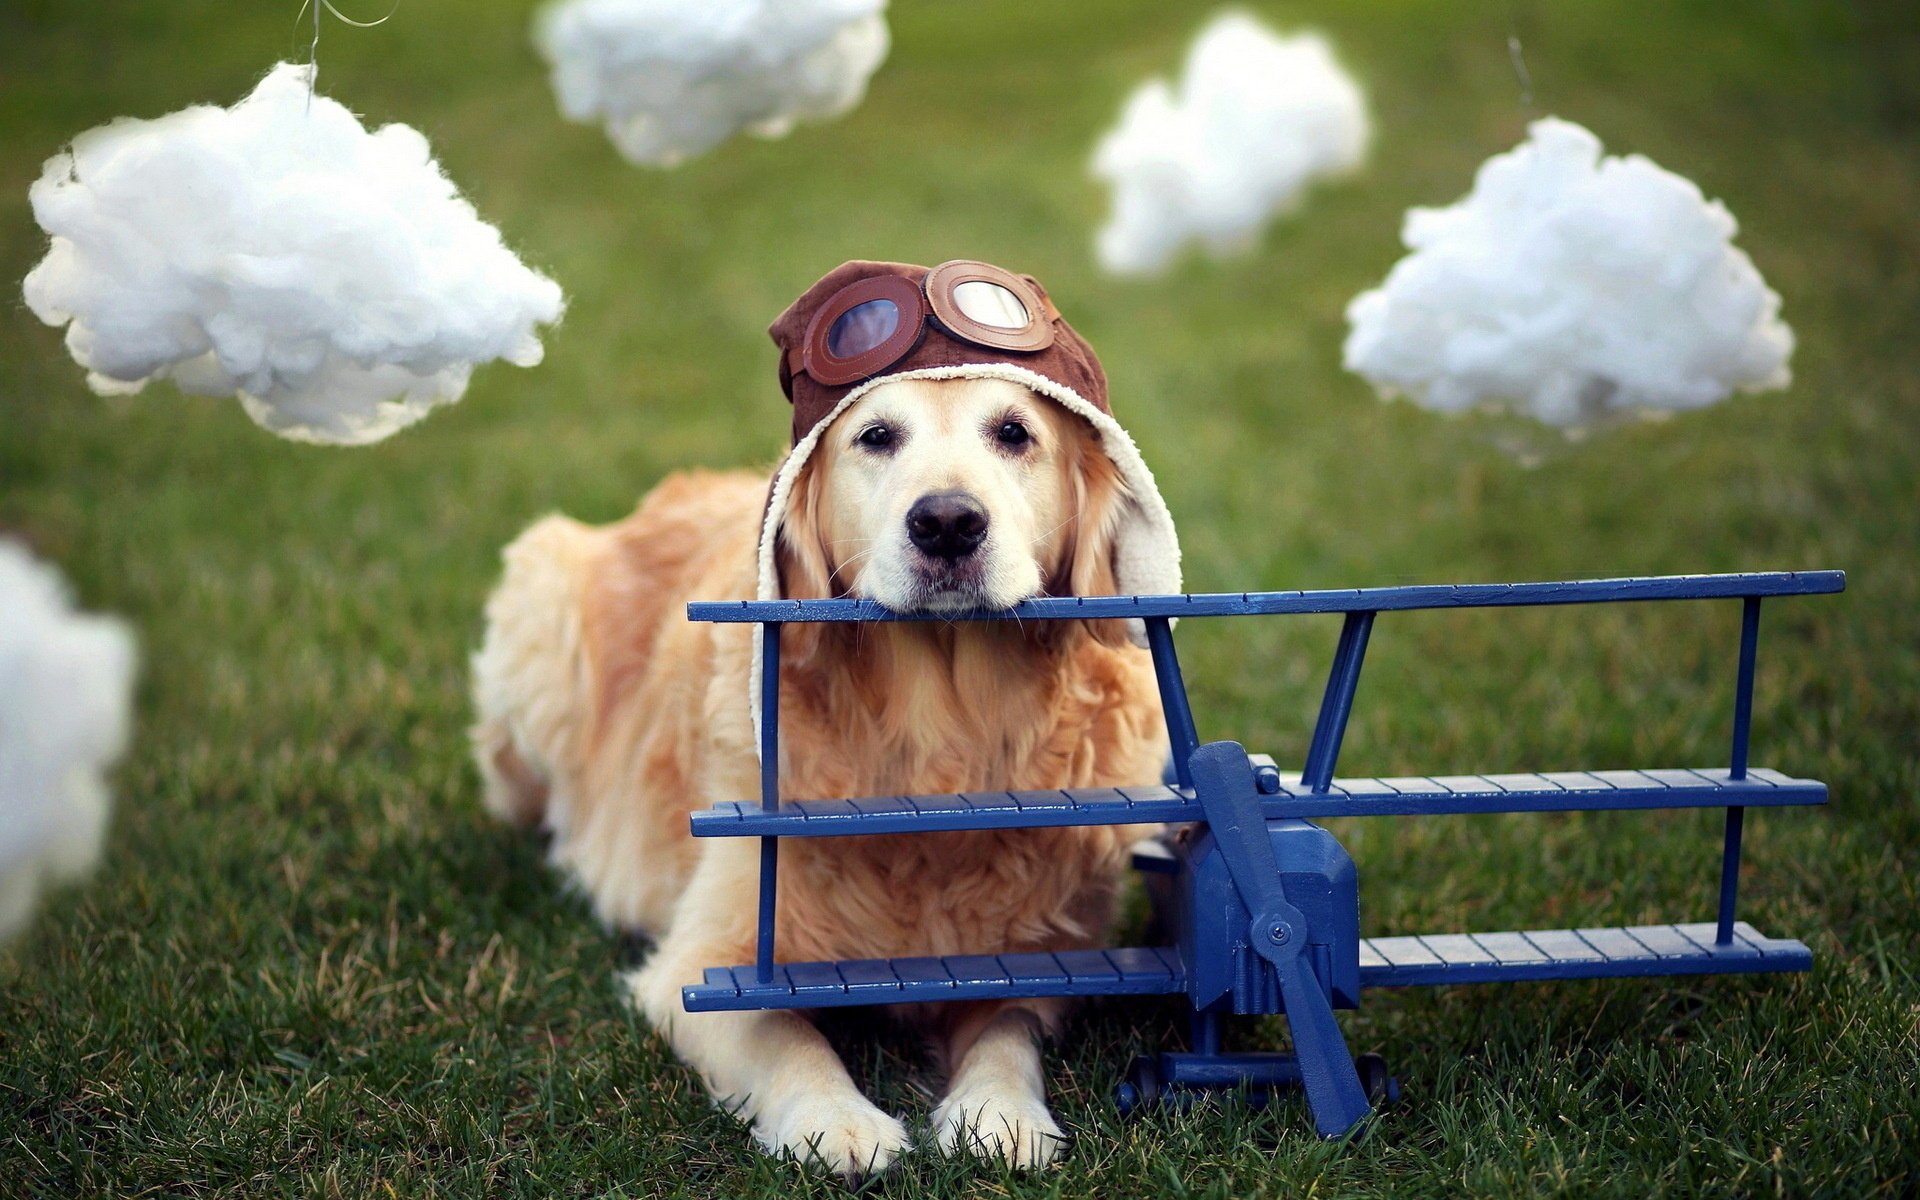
x=1016, y=1129
x=845, y=1133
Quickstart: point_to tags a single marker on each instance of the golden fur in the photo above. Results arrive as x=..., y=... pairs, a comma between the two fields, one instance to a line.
x=607, y=716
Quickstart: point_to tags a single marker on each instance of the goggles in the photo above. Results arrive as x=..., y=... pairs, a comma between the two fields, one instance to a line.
x=873, y=323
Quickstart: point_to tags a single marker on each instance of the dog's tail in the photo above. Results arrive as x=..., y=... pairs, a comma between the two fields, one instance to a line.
x=531, y=674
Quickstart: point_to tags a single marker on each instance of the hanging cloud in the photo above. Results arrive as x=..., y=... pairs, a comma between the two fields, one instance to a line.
x=1571, y=286
x=1254, y=120
x=66, y=683
x=333, y=279
x=672, y=79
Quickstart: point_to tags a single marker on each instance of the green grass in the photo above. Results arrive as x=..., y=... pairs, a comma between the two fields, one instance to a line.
x=310, y=966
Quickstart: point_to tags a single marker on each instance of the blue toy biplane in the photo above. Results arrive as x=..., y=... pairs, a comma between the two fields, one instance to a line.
x=1262, y=903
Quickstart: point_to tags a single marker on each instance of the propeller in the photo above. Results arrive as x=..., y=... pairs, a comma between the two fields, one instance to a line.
x=1223, y=781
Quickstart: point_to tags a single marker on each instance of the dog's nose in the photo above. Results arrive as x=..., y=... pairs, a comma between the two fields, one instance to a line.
x=949, y=525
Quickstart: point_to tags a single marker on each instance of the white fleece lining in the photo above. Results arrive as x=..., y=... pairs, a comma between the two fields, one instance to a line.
x=1146, y=548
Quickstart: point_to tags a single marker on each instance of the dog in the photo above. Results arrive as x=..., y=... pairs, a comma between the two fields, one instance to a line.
x=606, y=717
x=953, y=452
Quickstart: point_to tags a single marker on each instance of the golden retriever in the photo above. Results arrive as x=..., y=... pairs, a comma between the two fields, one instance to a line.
x=608, y=717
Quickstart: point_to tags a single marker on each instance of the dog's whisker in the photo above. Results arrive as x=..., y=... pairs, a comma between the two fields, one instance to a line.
x=1070, y=519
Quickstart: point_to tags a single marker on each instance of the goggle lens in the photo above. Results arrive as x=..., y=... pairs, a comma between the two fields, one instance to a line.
x=991, y=304
x=862, y=327
x=873, y=323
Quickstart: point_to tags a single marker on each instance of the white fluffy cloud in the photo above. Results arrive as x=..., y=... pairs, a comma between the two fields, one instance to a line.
x=66, y=683
x=671, y=79
x=1570, y=286
x=1254, y=119
x=333, y=279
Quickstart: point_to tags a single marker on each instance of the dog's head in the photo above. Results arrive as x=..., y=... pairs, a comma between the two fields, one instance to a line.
x=948, y=495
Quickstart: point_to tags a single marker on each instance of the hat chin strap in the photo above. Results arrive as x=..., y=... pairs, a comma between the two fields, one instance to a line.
x=1146, y=547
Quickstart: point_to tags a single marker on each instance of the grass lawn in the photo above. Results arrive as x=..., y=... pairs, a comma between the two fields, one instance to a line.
x=310, y=965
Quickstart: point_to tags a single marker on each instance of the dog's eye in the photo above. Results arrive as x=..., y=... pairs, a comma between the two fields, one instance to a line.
x=1013, y=433
x=876, y=437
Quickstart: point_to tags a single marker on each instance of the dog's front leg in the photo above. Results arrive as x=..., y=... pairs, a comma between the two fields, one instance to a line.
x=996, y=1102
x=772, y=1068
x=777, y=1072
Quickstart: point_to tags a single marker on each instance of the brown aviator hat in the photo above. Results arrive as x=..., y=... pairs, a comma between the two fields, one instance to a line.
x=866, y=323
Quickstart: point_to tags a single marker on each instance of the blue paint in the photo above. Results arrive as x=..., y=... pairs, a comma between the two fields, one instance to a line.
x=1603, y=953
x=1182, y=738
x=1452, y=795
x=1267, y=880
x=1263, y=904
x=769, y=792
x=1343, y=680
x=1737, y=768
x=1204, y=1034
x=1385, y=962
x=1743, y=687
x=1249, y=604
x=1730, y=870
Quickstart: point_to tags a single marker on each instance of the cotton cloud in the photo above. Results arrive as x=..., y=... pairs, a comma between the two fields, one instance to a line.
x=331, y=278
x=1213, y=158
x=1570, y=286
x=671, y=79
x=66, y=682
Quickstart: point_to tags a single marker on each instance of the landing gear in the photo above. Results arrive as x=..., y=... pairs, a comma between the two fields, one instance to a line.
x=1141, y=1088
x=1382, y=1089
x=1179, y=1079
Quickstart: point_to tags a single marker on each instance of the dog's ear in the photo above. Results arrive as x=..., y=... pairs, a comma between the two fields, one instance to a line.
x=800, y=555
x=1098, y=496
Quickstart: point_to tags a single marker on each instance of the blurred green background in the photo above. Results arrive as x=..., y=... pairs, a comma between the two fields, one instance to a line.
x=310, y=966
